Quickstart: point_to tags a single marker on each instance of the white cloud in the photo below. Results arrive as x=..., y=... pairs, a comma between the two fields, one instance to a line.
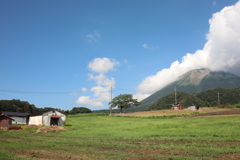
x=87, y=101
x=102, y=65
x=101, y=79
x=84, y=89
x=220, y=53
x=102, y=93
x=94, y=37
x=102, y=90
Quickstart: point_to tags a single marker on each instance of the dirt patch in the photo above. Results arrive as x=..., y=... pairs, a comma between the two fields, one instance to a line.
x=46, y=155
x=231, y=156
x=228, y=112
x=203, y=111
x=50, y=129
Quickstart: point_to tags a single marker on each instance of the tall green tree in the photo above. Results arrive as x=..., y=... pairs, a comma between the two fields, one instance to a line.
x=76, y=110
x=123, y=101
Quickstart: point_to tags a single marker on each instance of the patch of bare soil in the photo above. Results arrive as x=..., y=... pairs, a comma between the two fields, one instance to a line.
x=46, y=155
x=50, y=129
x=231, y=156
x=229, y=112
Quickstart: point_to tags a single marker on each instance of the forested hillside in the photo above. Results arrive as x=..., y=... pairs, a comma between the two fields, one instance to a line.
x=207, y=98
x=195, y=81
x=25, y=107
x=17, y=106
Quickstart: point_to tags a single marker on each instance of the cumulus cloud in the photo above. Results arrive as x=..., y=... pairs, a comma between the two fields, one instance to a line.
x=87, y=101
x=102, y=79
x=102, y=90
x=102, y=65
x=220, y=53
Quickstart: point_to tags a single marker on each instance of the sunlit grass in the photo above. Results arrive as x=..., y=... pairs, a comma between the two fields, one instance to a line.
x=108, y=137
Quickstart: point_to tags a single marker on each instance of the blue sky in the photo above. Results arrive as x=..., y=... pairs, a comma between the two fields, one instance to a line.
x=52, y=51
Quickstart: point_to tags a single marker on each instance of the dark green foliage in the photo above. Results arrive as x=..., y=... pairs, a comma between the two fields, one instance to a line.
x=183, y=98
x=17, y=106
x=123, y=101
x=50, y=108
x=76, y=110
x=207, y=98
x=226, y=96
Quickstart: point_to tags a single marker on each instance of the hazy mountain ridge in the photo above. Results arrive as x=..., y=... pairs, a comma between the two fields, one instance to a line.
x=194, y=81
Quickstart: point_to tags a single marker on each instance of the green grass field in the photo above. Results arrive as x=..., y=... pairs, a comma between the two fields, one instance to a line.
x=99, y=136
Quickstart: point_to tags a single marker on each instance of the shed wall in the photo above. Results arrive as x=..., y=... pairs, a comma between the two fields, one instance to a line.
x=47, y=118
x=5, y=122
x=19, y=120
x=36, y=120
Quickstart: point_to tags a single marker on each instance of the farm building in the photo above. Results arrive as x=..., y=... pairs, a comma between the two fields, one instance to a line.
x=19, y=118
x=5, y=121
x=177, y=107
x=194, y=108
x=48, y=118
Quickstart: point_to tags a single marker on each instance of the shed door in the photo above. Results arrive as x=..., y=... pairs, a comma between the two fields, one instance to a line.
x=54, y=121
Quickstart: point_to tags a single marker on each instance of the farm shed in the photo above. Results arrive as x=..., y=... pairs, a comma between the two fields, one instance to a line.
x=48, y=118
x=5, y=121
x=194, y=108
x=19, y=118
x=177, y=107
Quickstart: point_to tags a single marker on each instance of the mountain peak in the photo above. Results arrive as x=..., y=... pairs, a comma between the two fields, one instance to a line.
x=194, y=81
x=193, y=77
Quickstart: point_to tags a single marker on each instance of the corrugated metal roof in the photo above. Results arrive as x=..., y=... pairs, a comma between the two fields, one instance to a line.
x=6, y=116
x=17, y=114
x=42, y=112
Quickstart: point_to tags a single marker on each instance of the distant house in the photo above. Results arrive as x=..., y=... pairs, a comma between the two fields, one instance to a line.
x=5, y=121
x=18, y=118
x=177, y=107
x=194, y=108
x=48, y=118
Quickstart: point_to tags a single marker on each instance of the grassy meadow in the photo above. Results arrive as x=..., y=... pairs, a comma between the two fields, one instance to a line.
x=99, y=136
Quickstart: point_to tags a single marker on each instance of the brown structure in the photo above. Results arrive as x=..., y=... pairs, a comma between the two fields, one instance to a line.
x=177, y=107
x=5, y=121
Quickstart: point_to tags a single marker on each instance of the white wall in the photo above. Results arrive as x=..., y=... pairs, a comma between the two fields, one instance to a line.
x=45, y=119
x=35, y=120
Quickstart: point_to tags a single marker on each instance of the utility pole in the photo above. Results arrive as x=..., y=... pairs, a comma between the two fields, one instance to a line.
x=111, y=100
x=218, y=98
x=175, y=95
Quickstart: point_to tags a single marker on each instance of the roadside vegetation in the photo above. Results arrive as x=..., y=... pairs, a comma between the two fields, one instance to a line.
x=100, y=136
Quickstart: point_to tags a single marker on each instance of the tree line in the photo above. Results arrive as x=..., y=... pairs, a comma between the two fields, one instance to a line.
x=17, y=105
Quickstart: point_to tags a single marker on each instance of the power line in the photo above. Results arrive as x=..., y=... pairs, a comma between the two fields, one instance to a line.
x=64, y=92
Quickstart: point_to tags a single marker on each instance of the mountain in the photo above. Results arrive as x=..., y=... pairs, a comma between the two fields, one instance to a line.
x=194, y=81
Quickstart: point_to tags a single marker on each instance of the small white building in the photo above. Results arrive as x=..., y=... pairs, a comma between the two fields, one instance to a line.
x=194, y=108
x=18, y=118
x=48, y=118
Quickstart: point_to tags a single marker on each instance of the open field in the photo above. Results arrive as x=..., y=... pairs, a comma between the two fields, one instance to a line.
x=211, y=111
x=99, y=136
